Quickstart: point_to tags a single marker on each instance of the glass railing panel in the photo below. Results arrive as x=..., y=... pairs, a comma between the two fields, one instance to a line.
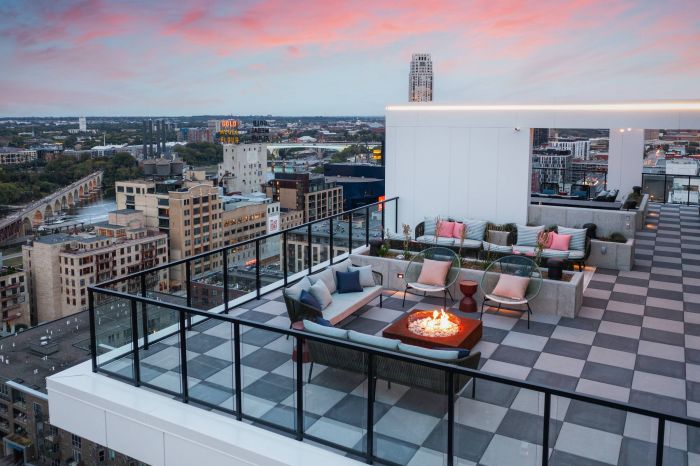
x=375, y=223
x=389, y=210
x=206, y=286
x=341, y=232
x=268, y=377
x=297, y=250
x=320, y=243
x=359, y=228
x=336, y=395
x=210, y=369
x=271, y=262
x=160, y=355
x=113, y=335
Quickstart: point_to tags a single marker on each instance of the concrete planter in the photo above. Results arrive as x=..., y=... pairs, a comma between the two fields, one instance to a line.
x=607, y=221
x=555, y=298
x=610, y=255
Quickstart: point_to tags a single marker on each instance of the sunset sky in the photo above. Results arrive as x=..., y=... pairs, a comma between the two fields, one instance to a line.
x=329, y=57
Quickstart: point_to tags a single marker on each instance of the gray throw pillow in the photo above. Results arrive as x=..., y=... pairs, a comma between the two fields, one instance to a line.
x=319, y=291
x=366, y=278
x=327, y=277
x=498, y=237
x=295, y=290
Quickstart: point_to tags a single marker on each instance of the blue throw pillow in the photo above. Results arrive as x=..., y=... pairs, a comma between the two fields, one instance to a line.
x=309, y=300
x=348, y=282
x=324, y=322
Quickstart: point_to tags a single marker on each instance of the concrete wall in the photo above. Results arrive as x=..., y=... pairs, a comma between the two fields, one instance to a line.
x=625, y=159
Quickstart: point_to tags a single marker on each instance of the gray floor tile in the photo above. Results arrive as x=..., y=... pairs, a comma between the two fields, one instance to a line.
x=567, y=348
x=663, y=403
x=616, y=342
x=470, y=443
x=596, y=417
x=635, y=452
x=552, y=379
x=527, y=427
x=660, y=366
x=514, y=355
x=607, y=374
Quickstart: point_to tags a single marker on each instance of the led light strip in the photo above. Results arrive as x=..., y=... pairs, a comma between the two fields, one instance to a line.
x=649, y=106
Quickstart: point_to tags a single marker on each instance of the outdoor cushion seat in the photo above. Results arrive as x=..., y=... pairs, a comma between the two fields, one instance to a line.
x=524, y=249
x=441, y=241
x=424, y=287
x=346, y=303
x=577, y=254
x=497, y=248
x=556, y=253
x=469, y=243
x=504, y=300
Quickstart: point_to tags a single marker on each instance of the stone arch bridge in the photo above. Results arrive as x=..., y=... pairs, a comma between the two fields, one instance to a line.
x=33, y=215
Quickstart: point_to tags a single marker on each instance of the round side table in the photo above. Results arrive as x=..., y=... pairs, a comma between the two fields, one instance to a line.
x=468, y=289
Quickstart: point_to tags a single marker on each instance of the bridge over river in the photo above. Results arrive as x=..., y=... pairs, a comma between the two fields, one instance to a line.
x=33, y=215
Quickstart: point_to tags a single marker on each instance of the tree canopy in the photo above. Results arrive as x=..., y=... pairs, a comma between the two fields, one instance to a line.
x=200, y=154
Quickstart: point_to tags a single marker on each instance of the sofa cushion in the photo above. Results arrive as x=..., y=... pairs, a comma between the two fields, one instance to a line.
x=578, y=237
x=372, y=340
x=545, y=238
x=310, y=300
x=497, y=248
x=434, y=272
x=348, y=282
x=475, y=228
x=440, y=355
x=366, y=277
x=345, y=304
x=498, y=237
x=527, y=236
x=430, y=239
x=555, y=253
x=459, y=230
x=576, y=254
x=511, y=286
x=313, y=327
x=321, y=293
x=526, y=250
x=468, y=244
x=294, y=291
x=341, y=266
x=327, y=276
x=430, y=224
x=558, y=241
x=445, y=229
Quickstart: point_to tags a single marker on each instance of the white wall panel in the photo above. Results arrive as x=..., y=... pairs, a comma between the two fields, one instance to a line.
x=482, y=201
x=625, y=159
x=459, y=172
x=513, y=177
x=122, y=432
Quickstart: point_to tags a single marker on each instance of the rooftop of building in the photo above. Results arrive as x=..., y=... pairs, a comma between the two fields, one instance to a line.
x=56, y=238
x=125, y=211
x=352, y=179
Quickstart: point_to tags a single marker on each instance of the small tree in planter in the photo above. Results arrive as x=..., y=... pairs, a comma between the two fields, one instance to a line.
x=406, y=230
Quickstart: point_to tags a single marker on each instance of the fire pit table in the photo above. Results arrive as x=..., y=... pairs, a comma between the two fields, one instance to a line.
x=430, y=329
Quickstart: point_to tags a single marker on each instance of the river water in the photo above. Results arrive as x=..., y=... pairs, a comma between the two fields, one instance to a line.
x=90, y=212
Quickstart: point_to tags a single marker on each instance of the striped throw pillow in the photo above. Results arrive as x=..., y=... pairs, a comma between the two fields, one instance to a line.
x=430, y=224
x=578, y=237
x=475, y=229
x=527, y=236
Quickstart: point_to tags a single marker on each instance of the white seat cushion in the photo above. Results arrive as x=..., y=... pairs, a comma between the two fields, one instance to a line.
x=576, y=254
x=524, y=249
x=441, y=241
x=497, y=248
x=555, y=253
x=346, y=303
x=504, y=300
x=424, y=287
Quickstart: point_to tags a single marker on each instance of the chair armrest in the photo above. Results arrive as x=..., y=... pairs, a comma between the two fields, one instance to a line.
x=420, y=230
x=378, y=278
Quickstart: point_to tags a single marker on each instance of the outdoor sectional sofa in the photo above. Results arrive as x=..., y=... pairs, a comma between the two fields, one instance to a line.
x=389, y=369
x=342, y=305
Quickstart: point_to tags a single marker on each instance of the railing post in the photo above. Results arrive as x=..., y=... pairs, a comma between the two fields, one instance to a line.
x=451, y=417
x=257, y=268
x=370, y=408
x=660, y=441
x=183, y=357
x=224, y=262
x=310, y=254
x=135, y=343
x=93, y=329
x=237, y=369
x=144, y=315
x=284, y=256
x=396, y=215
x=545, y=428
x=383, y=205
x=300, y=389
x=688, y=191
x=330, y=241
x=350, y=233
x=188, y=290
x=367, y=227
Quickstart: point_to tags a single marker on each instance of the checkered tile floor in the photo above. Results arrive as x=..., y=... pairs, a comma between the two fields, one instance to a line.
x=636, y=340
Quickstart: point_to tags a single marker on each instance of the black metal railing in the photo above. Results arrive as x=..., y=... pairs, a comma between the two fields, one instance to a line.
x=671, y=189
x=123, y=359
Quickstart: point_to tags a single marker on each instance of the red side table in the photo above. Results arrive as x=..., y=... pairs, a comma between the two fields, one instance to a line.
x=305, y=357
x=468, y=289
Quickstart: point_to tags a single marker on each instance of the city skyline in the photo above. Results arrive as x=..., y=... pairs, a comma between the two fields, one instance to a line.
x=325, y=58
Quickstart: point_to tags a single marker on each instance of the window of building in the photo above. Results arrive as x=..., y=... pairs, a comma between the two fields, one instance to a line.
x=101, y=456
x=76, y=441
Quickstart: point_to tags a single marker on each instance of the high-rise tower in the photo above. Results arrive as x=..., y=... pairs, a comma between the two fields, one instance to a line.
x=420, y=79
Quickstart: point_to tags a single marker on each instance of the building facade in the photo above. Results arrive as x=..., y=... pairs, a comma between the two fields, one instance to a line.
x=60, y=267
x=307, y=192
x=14, y=301
x=243, y=169
x=15, y=156
x=420, y=78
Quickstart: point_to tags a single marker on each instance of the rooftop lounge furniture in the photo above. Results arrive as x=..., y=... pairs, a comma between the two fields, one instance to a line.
x=518, y=271
x=427, y=233
x=418, y=282
x=391, y=370
x=341, y=306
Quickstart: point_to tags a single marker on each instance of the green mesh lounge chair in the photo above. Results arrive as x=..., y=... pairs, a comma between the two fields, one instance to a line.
x=415, y=266
x=513, y=265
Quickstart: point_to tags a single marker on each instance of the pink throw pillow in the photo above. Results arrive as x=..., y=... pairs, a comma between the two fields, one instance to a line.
x=559, y=242
x=511, y=286
x=459, y=230
x=445, y=229
x=434, y=272
x=548, y=243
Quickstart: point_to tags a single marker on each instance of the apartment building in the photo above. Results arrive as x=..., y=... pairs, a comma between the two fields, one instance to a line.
x=14, y=303
x=14, y=156
x=310, y=193
x=243, y=169
x=60, y=267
